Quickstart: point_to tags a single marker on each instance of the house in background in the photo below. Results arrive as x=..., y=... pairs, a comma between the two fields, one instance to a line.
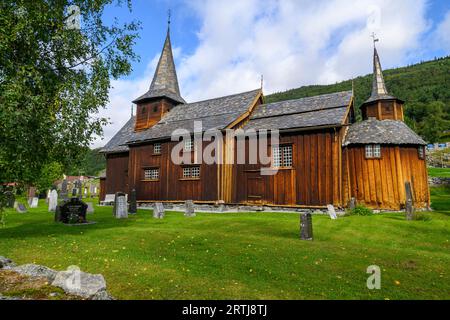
x=323, y=157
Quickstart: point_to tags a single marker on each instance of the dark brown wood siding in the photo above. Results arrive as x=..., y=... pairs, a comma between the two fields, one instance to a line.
x=171, y=186
x=313, y=179
x=380, y=183
x=116, y=173
x=102, y=194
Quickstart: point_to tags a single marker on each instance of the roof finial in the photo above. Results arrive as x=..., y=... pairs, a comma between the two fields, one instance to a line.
x=132, y=106
x=375, y=39
x=353, y=87
x=262, y=81
x=169, y=14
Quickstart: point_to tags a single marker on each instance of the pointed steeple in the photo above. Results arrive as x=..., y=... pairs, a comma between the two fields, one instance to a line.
x=165, y=80
x=379, y=90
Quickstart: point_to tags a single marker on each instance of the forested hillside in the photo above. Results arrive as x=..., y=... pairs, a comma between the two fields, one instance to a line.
x=425, y=87
x=91, y=163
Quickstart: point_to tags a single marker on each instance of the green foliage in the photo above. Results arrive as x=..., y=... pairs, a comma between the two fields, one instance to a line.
x=359, y=210
x=439, y=172
x=48, y=175
x=90, y=165
x=424, y=87
x=54, y=80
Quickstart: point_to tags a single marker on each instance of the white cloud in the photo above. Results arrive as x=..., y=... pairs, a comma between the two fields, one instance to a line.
x=442, y=34
x=291, y=42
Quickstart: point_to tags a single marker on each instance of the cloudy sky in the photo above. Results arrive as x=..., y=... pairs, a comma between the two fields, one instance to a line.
x=223, y=47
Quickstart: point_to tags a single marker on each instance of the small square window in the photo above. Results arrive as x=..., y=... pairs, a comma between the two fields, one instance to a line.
x=151, y=174
x=188, y=145
x=373, y=151
x=282, y=156
x=421, y=151
x=191, y=172
x=157, y=148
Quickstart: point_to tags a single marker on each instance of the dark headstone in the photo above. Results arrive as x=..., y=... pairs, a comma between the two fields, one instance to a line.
x=409, y=201
x=133, y=203
x=120, y=209
x=64, y=186
x=189, y=209
x=74, y=192
x=10, y=198
x=306, y=232
x=71, y=212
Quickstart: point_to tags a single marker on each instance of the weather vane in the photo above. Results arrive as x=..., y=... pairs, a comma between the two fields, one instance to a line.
x=168, y=17
x=374, y=37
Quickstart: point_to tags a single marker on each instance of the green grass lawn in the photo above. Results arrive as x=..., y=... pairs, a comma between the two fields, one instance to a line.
x=439, y=172
x=245, y=255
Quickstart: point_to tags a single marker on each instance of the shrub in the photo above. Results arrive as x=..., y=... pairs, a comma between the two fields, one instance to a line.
x=359, y=210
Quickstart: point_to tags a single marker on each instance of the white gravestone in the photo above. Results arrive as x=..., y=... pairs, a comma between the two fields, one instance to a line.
x=158, y=211
x=121, y=207
x=90, y=208
x=53, y=201
x=332, y=212
x=34, y=202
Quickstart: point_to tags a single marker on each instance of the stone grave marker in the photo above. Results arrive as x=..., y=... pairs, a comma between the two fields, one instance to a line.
x=20, y=207
x=63, y=192
x=34, y=202
x=158, y=211
x=71, y=212
x=352, y=203
x=133, y=202
x=53, y=201
x=189, y=209
x=90, y=207
x=409, y=201
x=306, y=231
x=120, y=206
x=331, y=212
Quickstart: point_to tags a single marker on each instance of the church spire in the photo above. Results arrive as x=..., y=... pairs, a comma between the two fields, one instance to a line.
x=165, y=80
x=378, y=86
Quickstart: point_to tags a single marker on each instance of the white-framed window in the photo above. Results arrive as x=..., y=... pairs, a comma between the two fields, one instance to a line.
x=188, y=145
x=151, y=174
x=282, y=156
x=157, y=148
x=421, y=151
x=373, y=151
x=192, y=172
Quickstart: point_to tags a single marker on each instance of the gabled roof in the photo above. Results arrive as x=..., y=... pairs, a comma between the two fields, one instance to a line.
x=324, y=110
x=165, y=80
x=214, y=113
x=381, y=132
x=117, y=143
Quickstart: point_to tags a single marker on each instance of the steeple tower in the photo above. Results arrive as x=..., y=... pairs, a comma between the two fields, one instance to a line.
x=164, y=92
x=381, y=105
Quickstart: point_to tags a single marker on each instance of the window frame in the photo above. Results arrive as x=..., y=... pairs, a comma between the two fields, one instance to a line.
x=154, y=148
x=190, y=172
x=373, y=151
x=421, y=152
x=155, y=177
x=280, y=151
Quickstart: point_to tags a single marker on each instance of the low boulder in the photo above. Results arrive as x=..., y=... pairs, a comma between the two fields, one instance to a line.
x=86, y=285
x=6, y=263
x=34, y=270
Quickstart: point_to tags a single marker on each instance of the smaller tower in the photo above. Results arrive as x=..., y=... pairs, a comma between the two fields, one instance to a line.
x=381, y=105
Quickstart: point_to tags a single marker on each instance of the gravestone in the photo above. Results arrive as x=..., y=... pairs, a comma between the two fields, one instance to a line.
x=10, y=199
x=71, y=212
x=90, y=208
x=74, y=192
x=331, y=212
x=189, y=209
x=158, y=211
x=47, y=198
x=133, y=203
x=409, y=201
x=20, y=207
x=306, y=232
x=352, y=204
x=120, y=206
x=64, y=193
x=53, y=201
x=34, y=202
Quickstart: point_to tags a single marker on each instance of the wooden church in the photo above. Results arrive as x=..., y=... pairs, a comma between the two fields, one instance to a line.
x=323, y=156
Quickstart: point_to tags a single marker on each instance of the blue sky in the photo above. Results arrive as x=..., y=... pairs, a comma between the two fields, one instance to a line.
x=223, y=46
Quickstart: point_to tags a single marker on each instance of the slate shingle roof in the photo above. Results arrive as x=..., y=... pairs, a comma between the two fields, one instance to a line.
x=117, y=143
x=214, y=113
x=381, y=132
x=323, y=110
